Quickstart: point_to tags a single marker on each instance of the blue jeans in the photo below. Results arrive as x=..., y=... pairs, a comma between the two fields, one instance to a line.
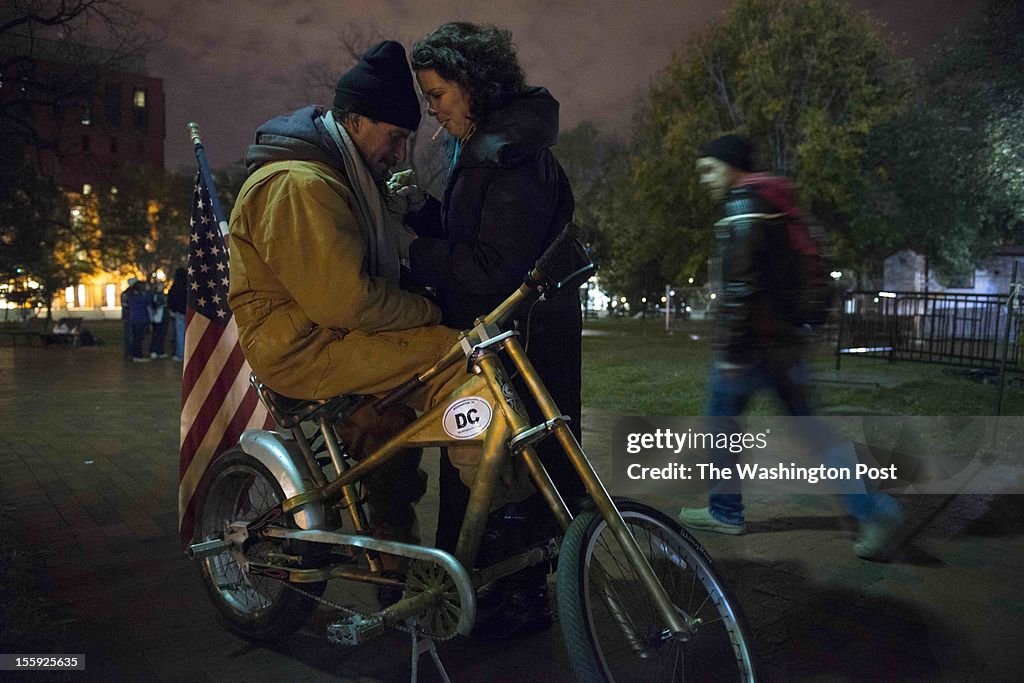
x=179, y=334
x=729, y=393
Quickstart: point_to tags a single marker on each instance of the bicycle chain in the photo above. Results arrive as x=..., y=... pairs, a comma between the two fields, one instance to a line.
x=356, y=613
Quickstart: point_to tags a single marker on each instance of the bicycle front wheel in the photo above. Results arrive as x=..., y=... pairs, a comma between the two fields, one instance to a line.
x=240, y=489
x=610, y=623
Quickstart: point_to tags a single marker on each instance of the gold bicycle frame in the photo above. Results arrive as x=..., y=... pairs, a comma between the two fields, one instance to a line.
x=508, y=431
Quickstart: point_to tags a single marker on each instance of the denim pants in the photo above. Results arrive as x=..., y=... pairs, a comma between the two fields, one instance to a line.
x=179, y=334
x=729, y=393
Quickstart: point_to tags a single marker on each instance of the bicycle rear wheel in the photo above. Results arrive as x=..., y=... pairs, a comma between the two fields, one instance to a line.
x=240, y=489
x=610, y=623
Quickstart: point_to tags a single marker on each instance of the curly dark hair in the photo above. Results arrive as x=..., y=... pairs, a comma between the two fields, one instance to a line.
x=480, y=58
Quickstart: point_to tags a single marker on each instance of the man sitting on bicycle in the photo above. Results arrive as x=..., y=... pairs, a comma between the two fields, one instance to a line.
x=315, y=269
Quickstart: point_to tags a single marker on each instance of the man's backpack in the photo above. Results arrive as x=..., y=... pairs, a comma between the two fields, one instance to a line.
x=815, y=290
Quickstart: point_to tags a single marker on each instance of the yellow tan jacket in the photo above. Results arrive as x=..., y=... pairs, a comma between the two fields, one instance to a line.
x=312, y=322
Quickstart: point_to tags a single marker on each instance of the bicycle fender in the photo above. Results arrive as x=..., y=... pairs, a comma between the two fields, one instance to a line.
x=288, y=467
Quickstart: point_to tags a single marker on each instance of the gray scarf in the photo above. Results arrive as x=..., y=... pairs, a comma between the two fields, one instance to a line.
x=382, y=247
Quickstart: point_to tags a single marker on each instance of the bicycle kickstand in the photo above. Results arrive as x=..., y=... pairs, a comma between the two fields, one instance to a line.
x=421, y=644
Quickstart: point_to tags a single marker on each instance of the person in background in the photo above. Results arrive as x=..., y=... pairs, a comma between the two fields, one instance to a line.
x=177, y=299
x=126, y=319
x=758, y=343
x=138, y=300
x=158, y=318
x=506, y=198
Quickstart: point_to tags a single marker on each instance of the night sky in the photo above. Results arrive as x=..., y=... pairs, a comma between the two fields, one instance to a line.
x=232, y=64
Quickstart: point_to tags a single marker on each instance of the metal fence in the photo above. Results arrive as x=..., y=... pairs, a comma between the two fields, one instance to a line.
x=954, y=329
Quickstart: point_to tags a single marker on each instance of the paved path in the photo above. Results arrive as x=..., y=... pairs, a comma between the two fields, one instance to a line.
x=88, y=469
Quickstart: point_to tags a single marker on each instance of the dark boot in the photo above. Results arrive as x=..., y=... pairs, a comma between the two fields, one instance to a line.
x=521, y=610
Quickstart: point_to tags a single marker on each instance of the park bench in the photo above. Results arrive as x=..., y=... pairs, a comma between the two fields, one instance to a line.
x=33, y=329
x=69, y=338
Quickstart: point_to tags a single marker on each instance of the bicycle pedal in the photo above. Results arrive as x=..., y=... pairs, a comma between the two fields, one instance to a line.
x=355, y=629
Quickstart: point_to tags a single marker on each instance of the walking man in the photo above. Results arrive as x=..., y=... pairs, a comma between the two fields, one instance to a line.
x=759, y=341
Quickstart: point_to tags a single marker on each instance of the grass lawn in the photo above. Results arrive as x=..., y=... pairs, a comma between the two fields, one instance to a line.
x=633, y=367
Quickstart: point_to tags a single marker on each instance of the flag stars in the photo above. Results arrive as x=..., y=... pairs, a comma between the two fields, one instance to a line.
x=208, y=262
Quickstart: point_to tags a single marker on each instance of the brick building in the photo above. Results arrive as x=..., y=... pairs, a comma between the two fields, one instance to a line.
x=91, y=117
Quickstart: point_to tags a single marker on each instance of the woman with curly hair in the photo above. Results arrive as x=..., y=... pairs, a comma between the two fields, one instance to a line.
x=505, y=199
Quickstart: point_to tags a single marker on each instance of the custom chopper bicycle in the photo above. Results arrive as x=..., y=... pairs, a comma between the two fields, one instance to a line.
x=638, y=598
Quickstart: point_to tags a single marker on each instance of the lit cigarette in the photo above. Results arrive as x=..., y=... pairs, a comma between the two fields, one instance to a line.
x=437, y=134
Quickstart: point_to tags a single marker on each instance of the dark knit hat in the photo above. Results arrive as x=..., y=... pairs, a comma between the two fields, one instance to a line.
x=380, y=86
x=733, y=150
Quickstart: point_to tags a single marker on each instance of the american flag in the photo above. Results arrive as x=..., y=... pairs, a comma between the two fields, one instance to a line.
x=217, y=403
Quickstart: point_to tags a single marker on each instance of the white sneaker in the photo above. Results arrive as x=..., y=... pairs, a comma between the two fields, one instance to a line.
x=140, y=359
x=152, y=354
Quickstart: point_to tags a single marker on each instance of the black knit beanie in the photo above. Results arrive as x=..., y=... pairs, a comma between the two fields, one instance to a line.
x=380, y=86
x=733, y=150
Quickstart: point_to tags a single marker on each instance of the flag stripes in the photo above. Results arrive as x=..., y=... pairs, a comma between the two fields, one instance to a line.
x=217, y=402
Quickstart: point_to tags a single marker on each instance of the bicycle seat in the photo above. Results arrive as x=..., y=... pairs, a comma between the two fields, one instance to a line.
x=290, y=412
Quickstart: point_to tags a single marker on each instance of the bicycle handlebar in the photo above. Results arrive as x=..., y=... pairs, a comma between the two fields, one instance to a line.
x=544, y=263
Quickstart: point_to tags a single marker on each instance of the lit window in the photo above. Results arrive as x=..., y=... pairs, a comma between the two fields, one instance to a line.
x=87, y=188
x=81, y=295
x=111, y=292
x=69, y=295
x=139, y=98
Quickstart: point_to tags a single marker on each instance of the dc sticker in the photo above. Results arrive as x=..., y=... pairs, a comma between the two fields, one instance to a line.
x=467, y=417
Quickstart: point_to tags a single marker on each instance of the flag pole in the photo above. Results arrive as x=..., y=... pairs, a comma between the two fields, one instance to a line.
x=204, y=170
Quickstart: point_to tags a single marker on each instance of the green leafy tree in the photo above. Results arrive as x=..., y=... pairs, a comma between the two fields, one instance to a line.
x=600, y=171
x=43, y=246
x=143, y=226
x=806, y=80
x=597, y=167
x=944, y=175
